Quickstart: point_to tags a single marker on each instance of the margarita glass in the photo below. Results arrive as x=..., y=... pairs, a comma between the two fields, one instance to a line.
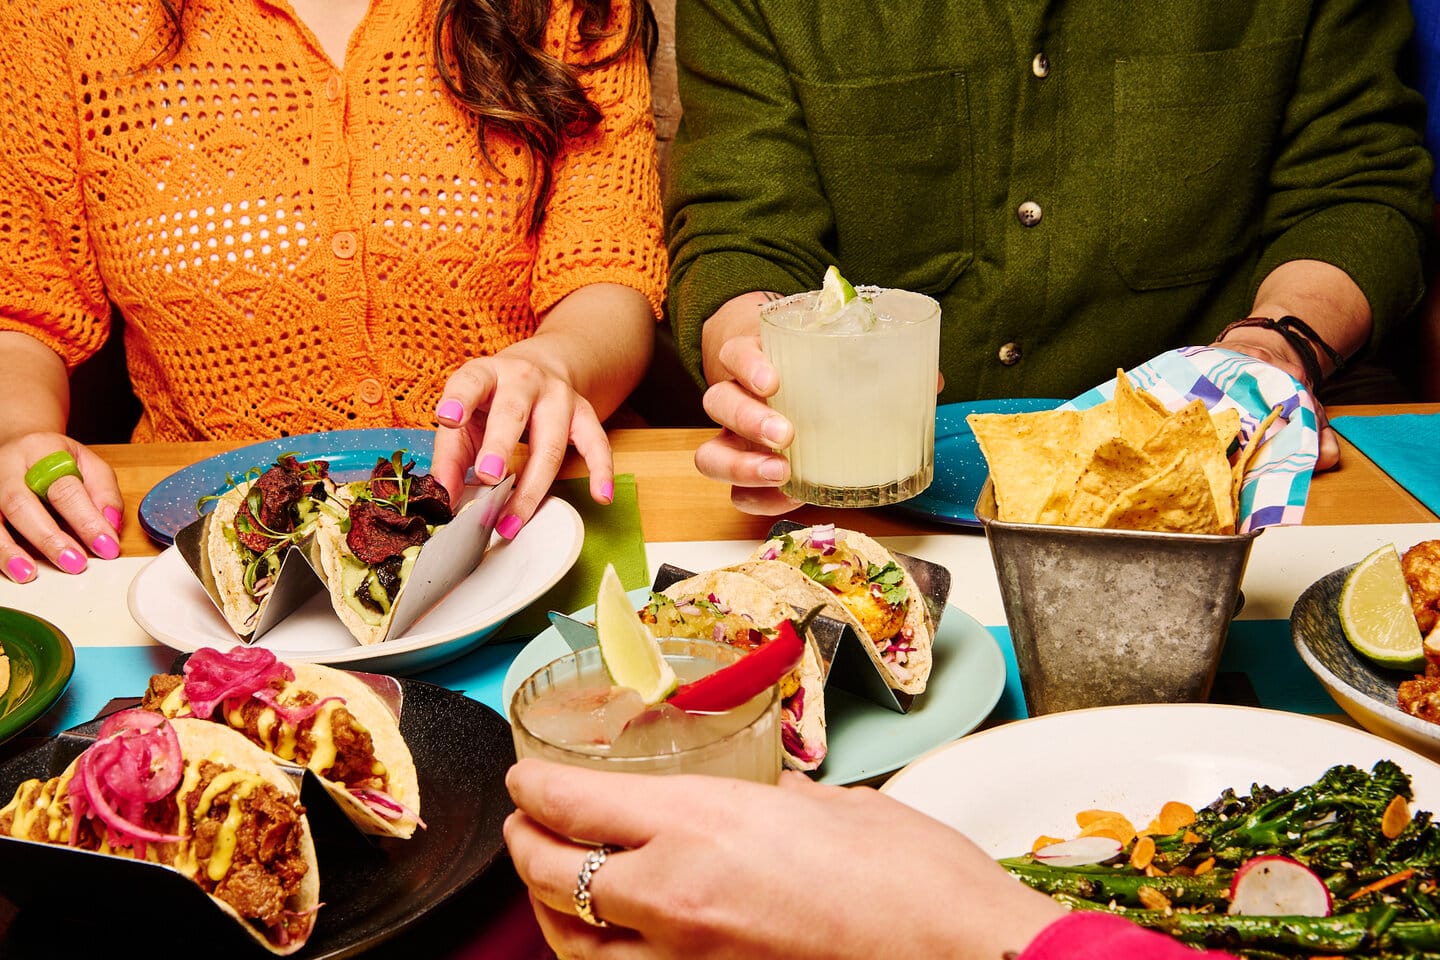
x=569, y=711
x=859, y=387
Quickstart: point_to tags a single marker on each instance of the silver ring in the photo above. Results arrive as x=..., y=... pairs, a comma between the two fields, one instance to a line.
x=594, y=859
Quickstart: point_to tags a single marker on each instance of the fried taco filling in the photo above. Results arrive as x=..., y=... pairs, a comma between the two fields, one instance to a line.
x=390, y=518
x=874, y=593
x=250, y=691
x=231, y=830
x=709, y=617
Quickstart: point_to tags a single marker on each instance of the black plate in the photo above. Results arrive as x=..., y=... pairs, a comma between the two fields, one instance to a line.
x=371, y=887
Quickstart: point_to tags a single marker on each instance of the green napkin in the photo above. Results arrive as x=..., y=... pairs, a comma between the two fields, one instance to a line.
x=612, y=535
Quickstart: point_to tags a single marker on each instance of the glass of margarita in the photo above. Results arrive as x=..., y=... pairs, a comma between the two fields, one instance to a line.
x=859, y=387
x=570, y=712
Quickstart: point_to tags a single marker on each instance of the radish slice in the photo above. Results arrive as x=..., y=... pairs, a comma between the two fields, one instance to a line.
x=1278, y=887
x=1079, y=852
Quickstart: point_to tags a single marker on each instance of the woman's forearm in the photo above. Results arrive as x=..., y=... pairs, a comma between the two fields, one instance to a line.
x=37, y=388
x=599, y=338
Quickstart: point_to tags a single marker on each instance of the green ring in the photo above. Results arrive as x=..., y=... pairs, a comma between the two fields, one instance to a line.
x=48, y=469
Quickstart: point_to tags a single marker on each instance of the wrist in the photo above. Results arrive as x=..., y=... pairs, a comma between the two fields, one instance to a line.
x=1288, y=337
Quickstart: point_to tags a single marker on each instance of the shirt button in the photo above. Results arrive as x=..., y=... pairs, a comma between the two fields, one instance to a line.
x=334, y=86
x=370, y=391
x=1010, y=354
x=343, y=244
x=1029, y=213
x=1040, y=66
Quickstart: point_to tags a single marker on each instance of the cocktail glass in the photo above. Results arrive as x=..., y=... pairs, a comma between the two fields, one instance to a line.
x=860, y=391
x=568, y=712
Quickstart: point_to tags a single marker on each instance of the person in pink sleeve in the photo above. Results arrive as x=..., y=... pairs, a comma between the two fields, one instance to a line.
x=707, y=868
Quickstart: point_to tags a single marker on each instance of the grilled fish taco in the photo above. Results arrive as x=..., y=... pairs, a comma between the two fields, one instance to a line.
x=250, y=528
x=726, y=606
x=366, y=557
x=192, y=796
x=313, y=716
x=864, y=586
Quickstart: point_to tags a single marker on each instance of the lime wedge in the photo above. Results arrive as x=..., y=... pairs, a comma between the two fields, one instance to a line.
x=629, y=650
x=835, y=292
x=1376, y=615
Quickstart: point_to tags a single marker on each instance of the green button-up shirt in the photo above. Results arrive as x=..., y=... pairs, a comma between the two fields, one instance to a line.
x=1082, y=185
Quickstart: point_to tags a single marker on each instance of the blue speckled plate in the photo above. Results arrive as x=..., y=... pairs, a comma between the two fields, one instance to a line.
x=960, y=468
x=170, y=504
x=1368, y=693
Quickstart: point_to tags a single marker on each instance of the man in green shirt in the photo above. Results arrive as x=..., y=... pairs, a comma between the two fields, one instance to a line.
x=1081, y=185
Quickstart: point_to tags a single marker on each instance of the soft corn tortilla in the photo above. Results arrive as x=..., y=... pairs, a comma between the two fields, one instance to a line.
x=226, y=565
x=908, y=677
x=762, y=606
x=329, y=549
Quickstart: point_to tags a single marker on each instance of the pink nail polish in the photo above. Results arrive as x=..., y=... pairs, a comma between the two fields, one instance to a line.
x=607, y=491
x=508, y=527
x=492, y=466
x=105, y=547
x=71, y=561
x=451, y=410
x=20, y=569
x=112, y=517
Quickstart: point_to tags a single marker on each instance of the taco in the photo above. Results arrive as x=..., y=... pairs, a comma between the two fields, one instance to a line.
x=192, y=796
x=865, y=587
x=253, y=523
x=743, y=612
x=365, y=558
x=313, y=716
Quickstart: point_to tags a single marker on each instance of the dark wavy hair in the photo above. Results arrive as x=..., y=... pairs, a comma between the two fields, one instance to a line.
x=491, y=56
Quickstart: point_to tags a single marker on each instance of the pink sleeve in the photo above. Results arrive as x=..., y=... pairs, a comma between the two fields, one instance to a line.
x=1087, y=935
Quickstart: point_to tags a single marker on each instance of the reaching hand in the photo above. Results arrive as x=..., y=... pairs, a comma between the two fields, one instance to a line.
x=90, y=508
x=488, y=404
x=1329, y=454
x=706, y=868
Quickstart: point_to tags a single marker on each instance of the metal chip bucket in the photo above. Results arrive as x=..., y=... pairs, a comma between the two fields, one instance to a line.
x=1102, y=617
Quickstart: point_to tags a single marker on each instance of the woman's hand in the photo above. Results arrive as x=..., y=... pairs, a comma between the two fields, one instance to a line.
x=743, y=454
x=706, y=867
x=555, y=388
x=81, y=515
x=489, y=404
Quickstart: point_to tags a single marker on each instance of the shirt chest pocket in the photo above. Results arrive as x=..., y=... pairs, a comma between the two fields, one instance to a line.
x=894, y=159
x=1194, y=145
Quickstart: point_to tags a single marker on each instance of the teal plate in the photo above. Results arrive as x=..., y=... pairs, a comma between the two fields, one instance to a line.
x=967, y=676
x=41, y=662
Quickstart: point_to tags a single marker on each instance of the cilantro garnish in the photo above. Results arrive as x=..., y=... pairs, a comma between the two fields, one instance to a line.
x=814, y=569
x=891, y=580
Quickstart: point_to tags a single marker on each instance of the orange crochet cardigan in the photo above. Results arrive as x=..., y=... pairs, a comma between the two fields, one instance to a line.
x=294, y=247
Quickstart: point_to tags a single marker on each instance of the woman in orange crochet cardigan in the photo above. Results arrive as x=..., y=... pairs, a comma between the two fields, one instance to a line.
x=323, y=214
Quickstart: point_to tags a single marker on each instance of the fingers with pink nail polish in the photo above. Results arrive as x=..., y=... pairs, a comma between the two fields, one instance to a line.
x=113, y=517
x=509, y=526
x=450, y=410
x=105, y=547
x=607, y=491
x=71, y=560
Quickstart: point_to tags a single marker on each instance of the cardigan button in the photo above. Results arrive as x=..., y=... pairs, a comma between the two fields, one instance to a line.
x=370, y=391
x=334, y=86
x=1010, y=354
x=343, y=244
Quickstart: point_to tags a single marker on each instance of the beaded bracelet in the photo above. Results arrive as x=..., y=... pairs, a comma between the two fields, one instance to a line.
x=1302, y=337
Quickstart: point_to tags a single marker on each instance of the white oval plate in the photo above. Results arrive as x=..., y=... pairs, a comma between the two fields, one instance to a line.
x=168, y=602
x=1006, y=786
x=866, y=740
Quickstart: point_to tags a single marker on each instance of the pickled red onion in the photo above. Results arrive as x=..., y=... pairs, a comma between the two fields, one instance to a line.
x=823, y=537
x=136, y=762
x=212, y=677
x=291, y=712
x=386, y=805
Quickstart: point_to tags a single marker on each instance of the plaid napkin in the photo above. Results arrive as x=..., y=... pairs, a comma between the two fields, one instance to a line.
x=1278, y=481
x=612, y=535
x=1403, y=445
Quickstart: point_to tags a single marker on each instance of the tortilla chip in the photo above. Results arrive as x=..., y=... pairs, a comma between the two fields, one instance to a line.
x=1137, y=418
x=1114, y=467
x=1227, y=426
x=1247, y=455
x=1190, y=432
x=1176, y=500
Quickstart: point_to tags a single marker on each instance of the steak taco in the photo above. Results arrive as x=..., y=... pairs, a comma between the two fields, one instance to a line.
x=192, y=796
x=366, y=557
x=730, y=607
x=313, y=716
x=863, y=586
x=250, y=528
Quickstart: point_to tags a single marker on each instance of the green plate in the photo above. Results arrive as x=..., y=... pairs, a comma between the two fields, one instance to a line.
x=41, y=662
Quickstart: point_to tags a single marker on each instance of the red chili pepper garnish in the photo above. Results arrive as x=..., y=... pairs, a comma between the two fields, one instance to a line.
x=739, y=682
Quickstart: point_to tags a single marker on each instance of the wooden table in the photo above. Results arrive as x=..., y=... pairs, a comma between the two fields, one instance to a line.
x=677, y=503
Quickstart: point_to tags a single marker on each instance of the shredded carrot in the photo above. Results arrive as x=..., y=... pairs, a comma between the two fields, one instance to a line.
x=1399, y=876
